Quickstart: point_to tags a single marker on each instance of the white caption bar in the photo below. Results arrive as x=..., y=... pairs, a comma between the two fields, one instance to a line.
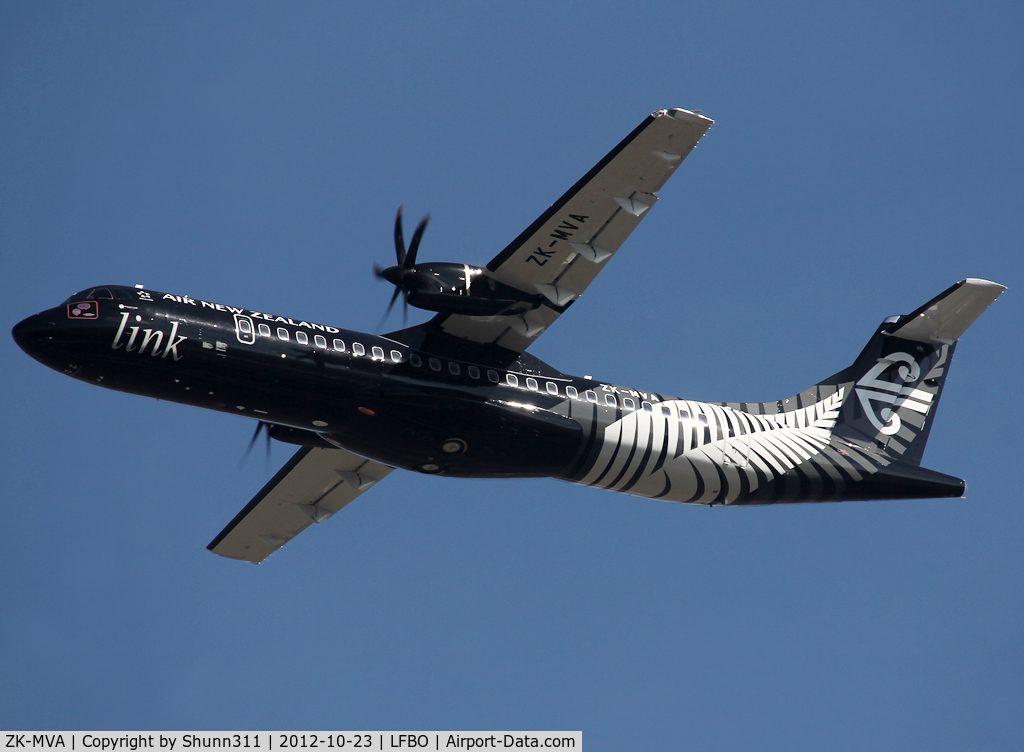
x=268, y=741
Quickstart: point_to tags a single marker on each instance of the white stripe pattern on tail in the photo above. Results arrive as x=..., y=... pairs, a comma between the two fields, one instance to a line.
x=683, y=450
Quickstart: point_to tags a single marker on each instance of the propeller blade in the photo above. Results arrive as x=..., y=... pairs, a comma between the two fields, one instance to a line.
x=399, y=239
x=260, y=426
x=406, y=260
x=394, y=297
x=414, y=246
x=391, y=305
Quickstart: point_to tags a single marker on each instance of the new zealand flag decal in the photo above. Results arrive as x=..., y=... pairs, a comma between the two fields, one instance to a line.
x=87, y=309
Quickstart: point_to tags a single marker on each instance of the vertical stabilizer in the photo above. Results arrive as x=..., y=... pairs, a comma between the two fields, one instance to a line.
x=895, y=384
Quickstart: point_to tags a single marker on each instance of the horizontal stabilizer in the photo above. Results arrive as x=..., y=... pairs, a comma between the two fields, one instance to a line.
x=945, y=318
x=313, y=485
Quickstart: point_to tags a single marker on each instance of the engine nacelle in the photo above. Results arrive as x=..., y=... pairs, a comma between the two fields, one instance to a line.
x=458, y=288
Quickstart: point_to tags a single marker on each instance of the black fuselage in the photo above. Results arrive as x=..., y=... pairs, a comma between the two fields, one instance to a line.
x=436, y=405
x=369, y=394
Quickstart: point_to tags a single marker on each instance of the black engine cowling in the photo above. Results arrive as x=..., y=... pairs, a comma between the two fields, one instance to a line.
x=458, y=288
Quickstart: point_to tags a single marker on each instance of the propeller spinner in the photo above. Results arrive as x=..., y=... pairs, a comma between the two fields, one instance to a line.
x=403, y=276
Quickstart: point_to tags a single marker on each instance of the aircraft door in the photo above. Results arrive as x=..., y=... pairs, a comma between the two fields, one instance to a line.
x=244, y=330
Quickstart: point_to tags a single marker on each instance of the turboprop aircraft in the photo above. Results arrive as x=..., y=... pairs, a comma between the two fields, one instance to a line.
x=460, y=396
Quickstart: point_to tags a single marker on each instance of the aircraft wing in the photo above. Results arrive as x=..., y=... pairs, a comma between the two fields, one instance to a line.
x=313, y=485
x=565, y=248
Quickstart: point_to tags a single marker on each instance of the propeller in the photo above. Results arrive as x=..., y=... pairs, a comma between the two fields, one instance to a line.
x=399, y=275
x=265, y=428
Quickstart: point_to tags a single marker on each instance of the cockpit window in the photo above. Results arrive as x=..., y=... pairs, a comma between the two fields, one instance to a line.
x=99, y=293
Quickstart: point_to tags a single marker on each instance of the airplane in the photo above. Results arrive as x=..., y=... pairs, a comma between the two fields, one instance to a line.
x=460, y=396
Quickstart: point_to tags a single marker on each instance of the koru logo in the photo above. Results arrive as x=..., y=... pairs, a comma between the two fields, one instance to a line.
x=874, y=391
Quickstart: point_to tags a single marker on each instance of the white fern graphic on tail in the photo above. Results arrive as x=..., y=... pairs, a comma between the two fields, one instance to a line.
x=785, y=440
x=683, y=450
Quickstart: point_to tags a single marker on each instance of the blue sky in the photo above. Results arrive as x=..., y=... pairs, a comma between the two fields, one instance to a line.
x=864, y=158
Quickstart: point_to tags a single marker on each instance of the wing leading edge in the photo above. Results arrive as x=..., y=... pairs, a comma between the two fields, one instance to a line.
x=312, y=486
x=561, y=253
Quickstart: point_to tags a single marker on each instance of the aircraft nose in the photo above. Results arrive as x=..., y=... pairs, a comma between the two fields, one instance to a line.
x=33, y=334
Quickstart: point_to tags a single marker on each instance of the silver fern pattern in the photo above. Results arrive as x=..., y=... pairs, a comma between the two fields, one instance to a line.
x=682, y=450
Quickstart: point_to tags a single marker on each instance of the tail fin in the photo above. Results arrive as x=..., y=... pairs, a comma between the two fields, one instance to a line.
x=893, y=388
x=860, y=434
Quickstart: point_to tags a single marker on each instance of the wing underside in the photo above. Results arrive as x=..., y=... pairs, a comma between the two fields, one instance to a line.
x=562, y=252
x=312, y=486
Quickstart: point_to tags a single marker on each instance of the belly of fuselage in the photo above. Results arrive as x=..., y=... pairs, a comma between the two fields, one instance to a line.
x=455, y=435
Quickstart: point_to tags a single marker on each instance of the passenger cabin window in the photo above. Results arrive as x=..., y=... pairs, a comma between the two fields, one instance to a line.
x=358, y=349
x=591, y=396
x=666, y=411
x=512, y=379
x=396, y=356
x=378, y=353
x=492, y=376
x=531, y=384
x=301, y=338
x=648, y=407
x=339, y=345
x=609, y=399
x=415, y=359
x=264, y=330
x=320, y=341
x=552, y=388
x=454, y=368
x=435, y=364
x=571, y=393
x=628, y=404
x=282, y=334
x=474, y=372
